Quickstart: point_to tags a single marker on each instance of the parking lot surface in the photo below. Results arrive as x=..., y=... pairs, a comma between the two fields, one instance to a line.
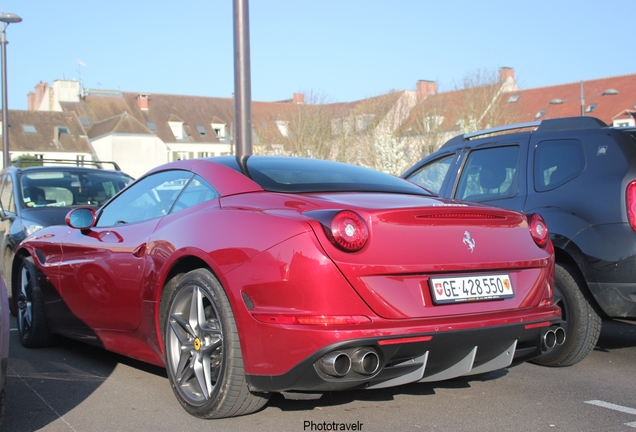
x=75, y=387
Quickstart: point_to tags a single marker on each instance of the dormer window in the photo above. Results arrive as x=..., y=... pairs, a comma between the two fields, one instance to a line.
x=219, y=130
x=283, y=127
x=177, y=130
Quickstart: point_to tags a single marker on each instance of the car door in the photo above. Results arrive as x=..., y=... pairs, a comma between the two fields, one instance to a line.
x=102, y=270
x=7, y=216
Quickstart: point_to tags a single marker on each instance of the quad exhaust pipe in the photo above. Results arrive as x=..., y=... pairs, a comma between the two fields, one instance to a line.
x=552, y=338
x=363, y=361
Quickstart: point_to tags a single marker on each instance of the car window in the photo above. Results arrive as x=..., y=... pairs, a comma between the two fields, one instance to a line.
x=431, y=176
x=196, y=192
x=70, y=187
x=556, y=162
x=149, y=198
x=489, y=174
x=6, y=197
x=300, y=175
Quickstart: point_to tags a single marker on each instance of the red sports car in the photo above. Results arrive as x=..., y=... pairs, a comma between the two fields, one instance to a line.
x=247, y=276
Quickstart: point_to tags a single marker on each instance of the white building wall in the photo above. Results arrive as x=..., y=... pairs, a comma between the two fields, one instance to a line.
x=180, y=151
x=134, y=154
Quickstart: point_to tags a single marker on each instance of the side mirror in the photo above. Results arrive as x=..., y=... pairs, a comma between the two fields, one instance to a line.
x=82, y=218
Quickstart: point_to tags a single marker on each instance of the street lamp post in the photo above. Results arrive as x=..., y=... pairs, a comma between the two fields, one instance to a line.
x=608, y=92
x=6, y=19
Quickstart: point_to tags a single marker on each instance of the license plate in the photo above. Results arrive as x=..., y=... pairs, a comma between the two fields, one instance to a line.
x=471, y=288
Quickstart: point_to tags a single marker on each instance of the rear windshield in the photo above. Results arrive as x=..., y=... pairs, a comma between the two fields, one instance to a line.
x=63, y=188
x=288, y=174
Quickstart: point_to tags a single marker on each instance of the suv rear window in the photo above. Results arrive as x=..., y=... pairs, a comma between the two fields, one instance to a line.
x=556, y=162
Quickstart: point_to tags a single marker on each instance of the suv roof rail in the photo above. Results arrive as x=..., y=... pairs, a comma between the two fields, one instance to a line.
x=547, y=125
x=25, y=162
x=502, y=129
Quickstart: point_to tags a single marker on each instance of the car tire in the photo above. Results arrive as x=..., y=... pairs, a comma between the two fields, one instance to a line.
x=32, y=326
x=202, y=350
x=581, y=323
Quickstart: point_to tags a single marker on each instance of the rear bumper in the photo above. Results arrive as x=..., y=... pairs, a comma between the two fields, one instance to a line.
x=426, y=357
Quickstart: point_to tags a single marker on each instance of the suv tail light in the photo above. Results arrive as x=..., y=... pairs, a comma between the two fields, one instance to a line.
x=538, y=230
x=631, y=204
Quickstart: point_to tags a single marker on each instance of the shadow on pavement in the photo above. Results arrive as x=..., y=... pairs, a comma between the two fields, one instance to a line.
x=66, y=374
x=616, y=334
x=380, y=395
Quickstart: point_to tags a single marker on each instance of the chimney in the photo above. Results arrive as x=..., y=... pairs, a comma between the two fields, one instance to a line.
x=505, y=73
x=36, y=97
x=142, y=102
x=425, y=88
x=298, y=98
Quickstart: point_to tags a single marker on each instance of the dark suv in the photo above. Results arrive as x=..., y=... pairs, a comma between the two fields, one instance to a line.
x=580, y=175
x=43, y=192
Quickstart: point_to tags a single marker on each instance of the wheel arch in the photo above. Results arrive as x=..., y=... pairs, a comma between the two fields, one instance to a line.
x=176, y=270
x=19, y=256
x=563, y=256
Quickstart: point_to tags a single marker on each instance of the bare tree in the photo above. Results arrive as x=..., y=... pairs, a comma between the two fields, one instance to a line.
x=480, y=103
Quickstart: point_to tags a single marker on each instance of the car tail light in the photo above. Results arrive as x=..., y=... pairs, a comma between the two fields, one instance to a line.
x=631, y=204
x=348, y=231
x=538, y=230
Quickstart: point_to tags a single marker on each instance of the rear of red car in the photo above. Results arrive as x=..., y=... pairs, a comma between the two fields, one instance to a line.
x=411, y=289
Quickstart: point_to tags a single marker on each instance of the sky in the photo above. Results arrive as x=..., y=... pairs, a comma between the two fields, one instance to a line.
x=331, y=50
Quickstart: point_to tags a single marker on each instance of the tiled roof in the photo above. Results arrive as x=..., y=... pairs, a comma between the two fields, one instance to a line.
x=532, y=101
x=120, y=124
x=45, y=133
x=194, y=110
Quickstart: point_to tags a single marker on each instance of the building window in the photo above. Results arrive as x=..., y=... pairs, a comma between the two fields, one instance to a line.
x=539, y=114
x=151, y=126
x=201, y=130
x=590, y=108
x=513, y=98
x=219, y=130
x=181, y=155
x=28, y=128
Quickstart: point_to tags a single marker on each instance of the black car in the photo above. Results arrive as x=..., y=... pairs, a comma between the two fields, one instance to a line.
x=40, y=192
x=580, y=175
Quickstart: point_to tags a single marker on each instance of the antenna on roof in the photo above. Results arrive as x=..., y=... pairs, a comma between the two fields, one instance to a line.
x=79, y=73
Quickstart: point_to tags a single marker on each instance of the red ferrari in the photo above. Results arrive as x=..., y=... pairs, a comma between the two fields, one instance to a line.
x=248, y=276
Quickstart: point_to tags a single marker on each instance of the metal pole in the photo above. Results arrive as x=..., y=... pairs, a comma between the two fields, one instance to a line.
x=242, y=80
x=6, y=160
